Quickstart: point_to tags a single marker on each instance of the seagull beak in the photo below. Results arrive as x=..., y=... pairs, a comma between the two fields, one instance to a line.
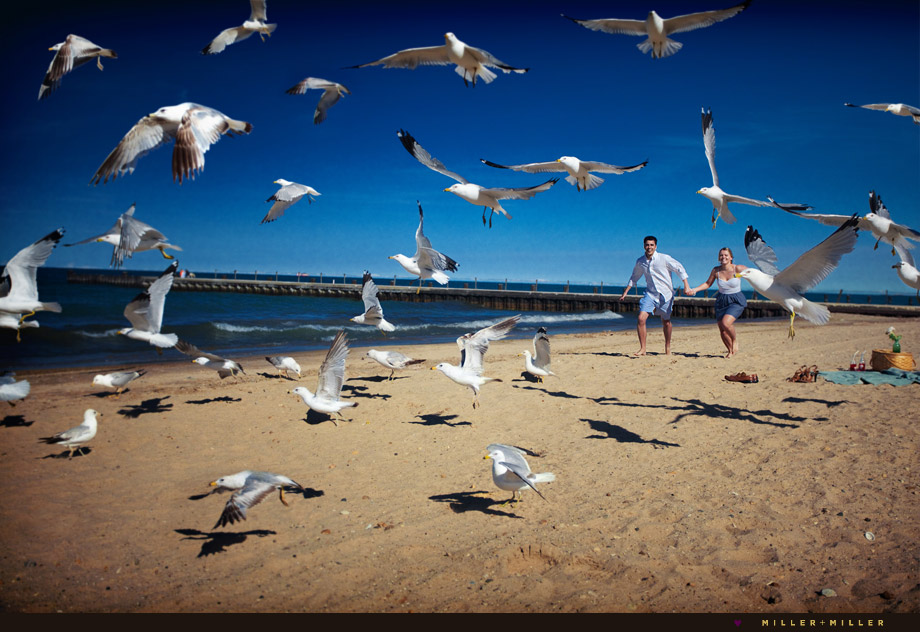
x=486, y=457
x=700, y=191
x=433, y=368
x=737, y=275
x=447, y=190
x=212, y=484
x=389, y=257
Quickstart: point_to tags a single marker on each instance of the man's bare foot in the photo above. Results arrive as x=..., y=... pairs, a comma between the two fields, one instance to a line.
x=729, y=354
x=667, y=351
x=640, y=352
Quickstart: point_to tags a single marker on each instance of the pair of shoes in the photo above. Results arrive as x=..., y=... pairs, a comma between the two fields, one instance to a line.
x=743, y=377
x=807, y=374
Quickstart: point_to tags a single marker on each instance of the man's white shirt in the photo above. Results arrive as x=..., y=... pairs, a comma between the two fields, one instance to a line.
x=657, y=272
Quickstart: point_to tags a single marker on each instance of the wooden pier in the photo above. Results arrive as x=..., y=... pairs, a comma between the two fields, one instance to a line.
x=512, y=300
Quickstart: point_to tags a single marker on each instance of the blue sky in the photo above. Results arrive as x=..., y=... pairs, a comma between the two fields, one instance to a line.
x=776, y=78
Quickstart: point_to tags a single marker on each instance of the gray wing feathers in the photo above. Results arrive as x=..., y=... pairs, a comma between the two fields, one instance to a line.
x=332, y=370
x=421, y=154
x=759, y=252
x=813, y=267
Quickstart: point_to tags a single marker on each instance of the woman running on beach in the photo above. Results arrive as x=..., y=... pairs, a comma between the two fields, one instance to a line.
x=730, y=301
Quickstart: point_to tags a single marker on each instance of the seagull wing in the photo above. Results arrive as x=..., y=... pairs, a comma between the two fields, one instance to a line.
x=21, y=269
x=146, y=135
x=709, y=143
x=533, y=167
x=541, y=349
x=422, y=155
x=759, y=252
x=146, y=310
x=369, y=296
x=330, y=97
x=520, y=193
x=877, y=206
x=194, y=352
x=252, y=493
x=624, y=27
x=905, y=255
x=14, y=390
x=693, y=21
x=114, y=230
x=200, y=128
x=130, y=236
x=728, y=197
x=122, y=378
x=814, y=266
x=285, y=197
x=431, y=259
x=412, y=58
x=871, y=106
x=602, y=167
x=474, y=346
x=421, y=242
x=259, y=10
x=824, y=218
x=522, y=474
x=332, y=370
x=486, y=58
x=226, y=37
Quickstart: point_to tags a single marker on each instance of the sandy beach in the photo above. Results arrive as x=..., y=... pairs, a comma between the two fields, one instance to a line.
x=675, y=490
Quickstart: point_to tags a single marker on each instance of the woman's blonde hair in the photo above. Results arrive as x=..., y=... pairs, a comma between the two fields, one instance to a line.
x=730, y=253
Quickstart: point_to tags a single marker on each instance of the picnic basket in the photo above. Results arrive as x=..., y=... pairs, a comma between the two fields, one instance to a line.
x=882, y=360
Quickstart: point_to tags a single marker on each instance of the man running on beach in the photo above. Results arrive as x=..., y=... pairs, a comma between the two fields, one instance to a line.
x=659, y=295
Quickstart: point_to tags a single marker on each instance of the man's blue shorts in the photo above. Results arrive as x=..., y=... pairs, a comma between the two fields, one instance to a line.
x=656, y=306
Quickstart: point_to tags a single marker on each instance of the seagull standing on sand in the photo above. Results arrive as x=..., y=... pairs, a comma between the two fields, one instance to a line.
x=471, y=63
x=373, y=312
x=19, y=285
x=899, y=109
x=427, y=263
x=511, y=472
x=392, y=360
x=579, y=171
x=804, y=273
x=223, y=366
x=331, y=379
x=332, y=92
x=284, y=364
x=76, y=437
x=473, y=347
x=288, y=195
x=249, y=489
x=472, y=193
x=11, y=390
x=130, y=235
x=194, y=127
x=118, y=381
x=539, y=365
x=71, y=53
x=715, y=194
x=658, y=29
x=145, y=312
x=255, y=24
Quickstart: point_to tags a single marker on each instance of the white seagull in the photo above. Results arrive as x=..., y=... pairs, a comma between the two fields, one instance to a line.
x=332, y=92
x=392, y=360
x=373, y=312
x=194, y=127
x=471, y=63
x=289, y=194
x=118, y=381
x=658, y=29
x=19, y=286
x=145, y=312
x=255, y=24
x=71, y=53
x=130, y=235
x=331, y=379
x=473, y=347
x=74, y=438
x=427, y=263
x=284, y=364
x=511, y=472
x=900, y=109
x=249, y=489
x=223, y=366
x=907, y=271
x=579, y=171
x=539, y=365
x=804, y=273
x=715, y=194
x=11, y=390
x=472, y=193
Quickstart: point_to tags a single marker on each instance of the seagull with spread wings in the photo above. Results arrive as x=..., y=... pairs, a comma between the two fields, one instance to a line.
x=194, y=128
x=907, y=271
x=472, y=193
x=145, y=312
x=289, y=194
x=223, y=366
x=427, y=263
x=255, y=24
x=72, y=53
x=579, y=171
x=471, y=63
x=331, y=379
x=511, y=472
x=657, y=29
x=786, y=287
x=249, y=489
x=12, y=390
x=899, y=109
x=332, y=92
x=538, y=364
x=373, y=312
x=473, y=347
x=130, y=235
x=19, y=285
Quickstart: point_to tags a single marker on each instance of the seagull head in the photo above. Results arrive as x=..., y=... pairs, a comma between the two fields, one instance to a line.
x=303, y=393
x=89, y=417
x=450, y=37
x=202, y=361
x=125, y=331
x=283, y=182
x=98, y=380
x=568, y=161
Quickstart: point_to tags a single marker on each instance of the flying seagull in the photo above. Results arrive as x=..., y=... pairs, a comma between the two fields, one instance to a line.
x=907, y=271
x=118, y=381
x=74, y=438
x=284, y=364
x=471, y=63
x=786, y=287
x=715, y=194
x=11, y=390
x=511, y=472
x=427, y=263
x=19, y=287
x=289, y=194
x=373, y=312
x=194, y=127
x=332, y=92
x=331, y=379
x=392, y=360
x=539, y=364
x=71, y=53
x=255, y=24
x=223, y=366
x=473, y=347
x=658, y=29
x=899, y=109
x=579, y=171
x=145, y=312
x=249, y=489
x=472, y=193
x=130, y=235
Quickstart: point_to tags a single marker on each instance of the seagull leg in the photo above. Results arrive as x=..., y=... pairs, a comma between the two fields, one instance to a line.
x=165, y=256
x=875, y=247
x=420, y=279
x=483, y=216
x=490, y=217
x=99, y=62
x=281, y=497
x=791, y=328
x=159, y=351
x=392, y=372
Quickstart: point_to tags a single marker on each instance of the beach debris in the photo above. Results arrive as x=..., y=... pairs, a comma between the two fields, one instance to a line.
x=869, y=536
x=74, y=438
x=828, y=592
x=511, y=472
x=249, y=489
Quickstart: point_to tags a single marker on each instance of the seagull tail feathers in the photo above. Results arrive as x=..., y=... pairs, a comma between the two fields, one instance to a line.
x=813, y=313
x=440, y=277
x=240, y=127
x=665, y=49
x=544, y=477
x=52, y=307
x=164, y=340
x=386, y=326
x=482, y=73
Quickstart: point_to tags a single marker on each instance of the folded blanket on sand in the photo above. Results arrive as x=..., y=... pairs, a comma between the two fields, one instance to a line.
x=895, y=377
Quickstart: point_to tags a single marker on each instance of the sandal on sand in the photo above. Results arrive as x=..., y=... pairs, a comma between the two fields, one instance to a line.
x=743, y=377
x=807, y=374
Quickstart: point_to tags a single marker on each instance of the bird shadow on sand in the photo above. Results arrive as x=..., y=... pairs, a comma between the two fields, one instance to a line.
x=550, y=393
x=462, y=502
x=611, y=354
x=225, y=398
x=79, y=452
x=315, y=418
x=361, y=391
x=377, y=378
x=436, y=419
x=15, y=421
x=106, y=394
x=146, y=407
x=826, y=402
x=218, y=541
x=277, y=376
x=608, y=430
